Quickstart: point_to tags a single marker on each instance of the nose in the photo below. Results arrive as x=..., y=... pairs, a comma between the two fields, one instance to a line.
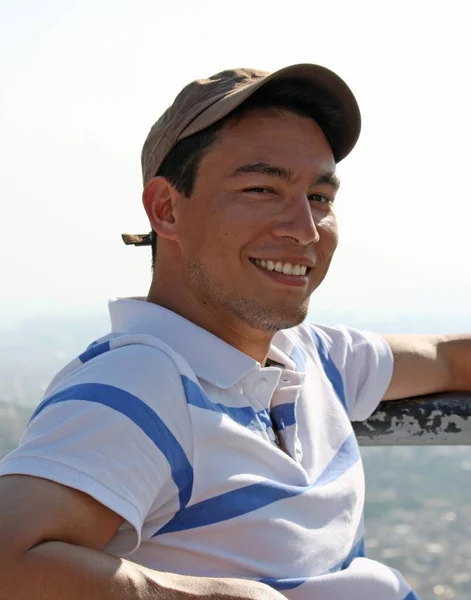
x=297, y=222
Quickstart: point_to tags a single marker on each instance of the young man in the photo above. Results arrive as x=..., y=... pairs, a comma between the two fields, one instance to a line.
x=204, y=448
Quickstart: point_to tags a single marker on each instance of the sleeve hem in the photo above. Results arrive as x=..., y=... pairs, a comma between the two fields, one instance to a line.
x=67, y=476
x=384, y=366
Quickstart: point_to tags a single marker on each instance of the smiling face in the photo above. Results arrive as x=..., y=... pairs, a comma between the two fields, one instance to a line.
x=257, y=235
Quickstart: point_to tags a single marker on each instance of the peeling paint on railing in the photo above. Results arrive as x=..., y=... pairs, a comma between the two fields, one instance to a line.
x=443, y=419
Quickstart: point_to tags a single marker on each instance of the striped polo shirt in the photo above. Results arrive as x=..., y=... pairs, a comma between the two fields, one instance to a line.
x=221, y=467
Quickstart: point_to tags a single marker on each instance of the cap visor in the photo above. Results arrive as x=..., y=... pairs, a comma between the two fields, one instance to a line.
x=347, y=130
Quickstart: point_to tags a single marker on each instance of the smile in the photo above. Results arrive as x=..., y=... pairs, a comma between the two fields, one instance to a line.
x=286, y=268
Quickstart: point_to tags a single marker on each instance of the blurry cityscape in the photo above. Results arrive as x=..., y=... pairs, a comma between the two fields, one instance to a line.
x=418, y=511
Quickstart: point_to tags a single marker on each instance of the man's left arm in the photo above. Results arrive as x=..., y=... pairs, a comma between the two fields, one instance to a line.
x=428, y=364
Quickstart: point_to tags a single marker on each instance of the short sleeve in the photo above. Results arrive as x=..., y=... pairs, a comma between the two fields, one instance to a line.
x=361, y=365
x=116, y=428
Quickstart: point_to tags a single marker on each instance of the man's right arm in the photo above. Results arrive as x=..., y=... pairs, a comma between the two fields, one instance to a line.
x=52, y=541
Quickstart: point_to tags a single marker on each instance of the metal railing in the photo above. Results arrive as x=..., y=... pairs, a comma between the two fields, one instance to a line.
x=443, y=419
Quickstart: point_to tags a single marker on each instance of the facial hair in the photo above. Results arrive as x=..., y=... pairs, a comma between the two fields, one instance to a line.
x=259, y=314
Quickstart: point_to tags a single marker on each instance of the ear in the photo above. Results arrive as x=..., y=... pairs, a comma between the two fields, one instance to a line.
x=159, y=198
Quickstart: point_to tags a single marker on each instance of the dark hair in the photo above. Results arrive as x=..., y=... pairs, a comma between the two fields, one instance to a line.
x=181, y=164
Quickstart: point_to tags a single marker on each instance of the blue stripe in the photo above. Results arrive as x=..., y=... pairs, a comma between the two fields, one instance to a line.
x=347, y=455
x=143, y=416
x=258, y=495
x=284, y=415
x=94, y=350
x=357, y=551
x=330, y=369
x=299, y=357
x=411, y=596
x=283, y=584
x=244, y=415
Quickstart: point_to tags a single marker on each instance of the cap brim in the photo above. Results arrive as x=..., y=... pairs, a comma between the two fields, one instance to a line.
x=346, y=129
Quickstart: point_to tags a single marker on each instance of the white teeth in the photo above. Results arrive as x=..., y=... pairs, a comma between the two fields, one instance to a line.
x=286, y=268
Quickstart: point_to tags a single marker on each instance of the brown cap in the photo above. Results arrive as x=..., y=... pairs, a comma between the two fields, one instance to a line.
x=205, y=101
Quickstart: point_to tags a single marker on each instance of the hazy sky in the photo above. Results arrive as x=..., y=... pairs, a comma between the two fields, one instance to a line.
x=81, y=82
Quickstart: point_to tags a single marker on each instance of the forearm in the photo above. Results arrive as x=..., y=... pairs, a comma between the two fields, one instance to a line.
x=429, y=364
x=456, y=350
x=54, y=570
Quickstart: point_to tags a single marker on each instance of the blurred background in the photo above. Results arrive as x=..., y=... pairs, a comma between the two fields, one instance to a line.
x=82, y=81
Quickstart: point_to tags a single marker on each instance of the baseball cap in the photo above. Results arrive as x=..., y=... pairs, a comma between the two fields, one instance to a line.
x=205, y=101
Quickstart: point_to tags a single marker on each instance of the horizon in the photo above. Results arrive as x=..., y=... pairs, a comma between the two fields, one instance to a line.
x=18, y=318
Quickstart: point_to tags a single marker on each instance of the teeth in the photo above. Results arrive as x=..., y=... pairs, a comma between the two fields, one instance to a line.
x=286, y=268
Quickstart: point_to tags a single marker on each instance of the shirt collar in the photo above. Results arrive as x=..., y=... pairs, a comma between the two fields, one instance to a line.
x=210, y=358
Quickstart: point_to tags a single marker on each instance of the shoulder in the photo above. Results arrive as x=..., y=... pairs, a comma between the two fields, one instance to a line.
x=337, y=342
x=316, y=342
x=123, y=370
x=125, y=358
x=358, y=363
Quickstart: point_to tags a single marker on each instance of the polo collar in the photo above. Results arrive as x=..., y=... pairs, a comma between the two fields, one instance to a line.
x=211, y=359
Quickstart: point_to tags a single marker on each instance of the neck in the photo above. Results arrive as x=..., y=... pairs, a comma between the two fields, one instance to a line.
x=218, y=321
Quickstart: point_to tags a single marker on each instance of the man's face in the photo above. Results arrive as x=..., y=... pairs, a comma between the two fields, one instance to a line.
x=262, y=203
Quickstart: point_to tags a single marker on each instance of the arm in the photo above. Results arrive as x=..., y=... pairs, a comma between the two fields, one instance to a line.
x=428, y=364
x=56, y=537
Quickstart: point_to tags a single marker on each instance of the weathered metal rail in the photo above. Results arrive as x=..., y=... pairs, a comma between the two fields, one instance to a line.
x=443, y=419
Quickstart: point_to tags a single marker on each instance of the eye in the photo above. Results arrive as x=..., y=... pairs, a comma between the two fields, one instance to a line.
x=259, y=190
x=320, y=198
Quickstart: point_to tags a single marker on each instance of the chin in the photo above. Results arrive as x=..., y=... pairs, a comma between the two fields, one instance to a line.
x=291, y=320
x=271, y=321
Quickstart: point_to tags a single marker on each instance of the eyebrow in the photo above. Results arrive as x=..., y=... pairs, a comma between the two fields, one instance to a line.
x=329, y=178
x=262, y=168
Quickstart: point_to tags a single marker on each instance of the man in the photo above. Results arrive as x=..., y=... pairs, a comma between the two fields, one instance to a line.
x=204, y=448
